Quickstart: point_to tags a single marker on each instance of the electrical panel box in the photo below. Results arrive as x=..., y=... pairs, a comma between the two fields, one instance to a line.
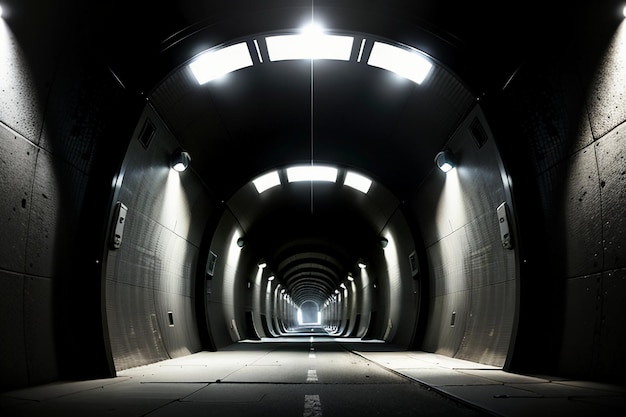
x=505, y=230
x=119, y=220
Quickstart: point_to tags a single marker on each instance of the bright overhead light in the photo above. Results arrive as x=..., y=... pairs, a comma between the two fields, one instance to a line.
x=407, y=64
x=311, y=173
x=358, y=182
x=267, y=181
x=311, y=45
x=214, y=64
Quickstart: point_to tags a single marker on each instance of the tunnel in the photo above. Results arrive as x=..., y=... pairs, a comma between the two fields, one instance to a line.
x=198, y=179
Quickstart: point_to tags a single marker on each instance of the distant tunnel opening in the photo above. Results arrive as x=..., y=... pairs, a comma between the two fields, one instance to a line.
x=309, y=313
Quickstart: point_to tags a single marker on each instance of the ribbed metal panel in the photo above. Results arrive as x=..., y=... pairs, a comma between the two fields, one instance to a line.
x=472, y=287
x=149, y=280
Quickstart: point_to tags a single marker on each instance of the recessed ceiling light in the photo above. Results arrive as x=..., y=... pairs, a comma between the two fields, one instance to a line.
x=214, y=64
x=358, y=182
x=311, y=173
x=267, y=181
x=312, y=45
x=407, y=64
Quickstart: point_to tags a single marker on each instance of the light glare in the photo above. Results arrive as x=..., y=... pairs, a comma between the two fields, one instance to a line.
x=402, y=62
x=311, y=45
x=267, y=181
x=212, y=65
x=358, y=182
x=311, y=173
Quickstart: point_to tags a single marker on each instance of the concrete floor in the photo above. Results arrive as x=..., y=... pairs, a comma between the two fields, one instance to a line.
x=311, y=376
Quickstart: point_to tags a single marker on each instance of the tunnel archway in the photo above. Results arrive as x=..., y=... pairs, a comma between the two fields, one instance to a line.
x=312, y=234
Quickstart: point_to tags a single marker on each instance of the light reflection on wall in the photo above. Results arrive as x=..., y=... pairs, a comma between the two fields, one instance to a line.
x=175, y=210
x=231, y=260
x=20, y=105
x=394, y=302
x=451, y=212
x=610, y=76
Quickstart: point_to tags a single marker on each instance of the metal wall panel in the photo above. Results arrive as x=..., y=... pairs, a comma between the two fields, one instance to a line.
x=150, y=278
x=473, y=296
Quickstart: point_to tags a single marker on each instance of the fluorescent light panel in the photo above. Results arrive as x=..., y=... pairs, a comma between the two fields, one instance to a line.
x=267, y=181
x=214, y=64
x=309, y=46
x=311, y=173
x=407, y=64
x=358, y=182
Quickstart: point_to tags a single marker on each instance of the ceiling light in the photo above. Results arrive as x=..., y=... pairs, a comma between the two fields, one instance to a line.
x=445, y=160
x=358, y=182
x=311, y=173
x=214, y=64
x=267, y=181
x=311, y=45
x=180, y=160
x=411, y=65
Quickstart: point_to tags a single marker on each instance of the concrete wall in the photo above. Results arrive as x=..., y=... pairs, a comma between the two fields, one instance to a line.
x=61, y=114
x=564, y=142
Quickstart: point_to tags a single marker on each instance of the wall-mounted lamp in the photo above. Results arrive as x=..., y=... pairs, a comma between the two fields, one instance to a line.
x=180, y=160
x=445, y=160
x=271, y=278
x=362, y=265
x=350, y=277
x=241, y=242
x=262, y=264
x=383, y=242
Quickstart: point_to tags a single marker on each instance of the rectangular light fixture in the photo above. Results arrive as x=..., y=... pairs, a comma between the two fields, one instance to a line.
x=214, y=64
x=309, y=46
x=267, y=181
x=407, y=64
x=311, y=173
x=358, y=182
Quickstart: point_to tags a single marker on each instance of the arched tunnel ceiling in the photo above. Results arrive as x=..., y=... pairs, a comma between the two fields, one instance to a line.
x=348, y=114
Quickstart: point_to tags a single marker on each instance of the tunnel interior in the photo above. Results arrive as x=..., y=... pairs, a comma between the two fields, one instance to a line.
x=313, y=200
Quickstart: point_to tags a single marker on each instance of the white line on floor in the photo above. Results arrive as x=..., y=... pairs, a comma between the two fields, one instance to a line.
x=311, y=376
x=312, y=406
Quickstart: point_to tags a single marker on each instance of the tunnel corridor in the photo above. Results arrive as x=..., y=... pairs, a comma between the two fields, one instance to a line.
x=292, y=207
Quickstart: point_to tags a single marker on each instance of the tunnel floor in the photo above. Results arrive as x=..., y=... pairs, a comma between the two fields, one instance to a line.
x=314, y=376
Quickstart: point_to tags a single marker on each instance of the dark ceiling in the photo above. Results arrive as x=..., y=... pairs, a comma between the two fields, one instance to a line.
x=357, y=117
